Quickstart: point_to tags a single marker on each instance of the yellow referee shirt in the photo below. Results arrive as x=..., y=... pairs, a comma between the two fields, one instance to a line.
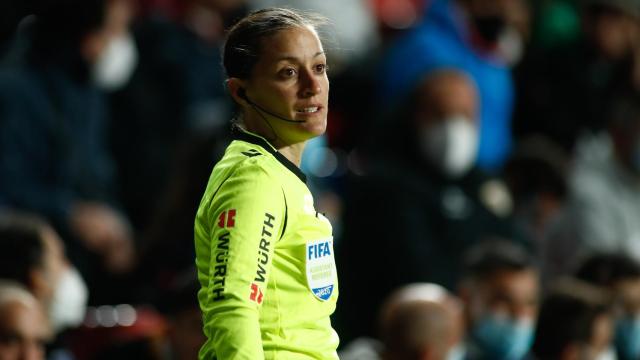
x=265, y=259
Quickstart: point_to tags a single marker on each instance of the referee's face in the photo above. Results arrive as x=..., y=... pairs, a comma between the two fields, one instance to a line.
x=290, y=81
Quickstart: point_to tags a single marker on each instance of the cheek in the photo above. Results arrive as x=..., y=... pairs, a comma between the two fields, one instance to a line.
x=284, y=96
x=327, y=86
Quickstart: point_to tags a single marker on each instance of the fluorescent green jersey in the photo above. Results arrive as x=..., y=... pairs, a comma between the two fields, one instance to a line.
x=265, y=260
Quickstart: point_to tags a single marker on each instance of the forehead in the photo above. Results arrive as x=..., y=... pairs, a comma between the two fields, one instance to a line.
x=520, y=281
x=294, y=43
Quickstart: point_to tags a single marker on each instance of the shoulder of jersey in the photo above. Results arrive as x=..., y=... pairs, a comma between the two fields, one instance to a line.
x=247, y=155
x=251, y=153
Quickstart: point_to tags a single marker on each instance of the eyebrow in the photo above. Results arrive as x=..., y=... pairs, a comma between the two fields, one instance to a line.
x=293, y=58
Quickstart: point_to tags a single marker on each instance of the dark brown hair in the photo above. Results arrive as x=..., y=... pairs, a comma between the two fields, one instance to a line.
x=242, y=48
x=22, y=246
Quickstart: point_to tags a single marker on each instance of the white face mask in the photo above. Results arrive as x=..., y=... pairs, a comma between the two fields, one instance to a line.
x=608, y=354
x=452, y=146
x=69, y=302
x=457, y=352
x=116, y=63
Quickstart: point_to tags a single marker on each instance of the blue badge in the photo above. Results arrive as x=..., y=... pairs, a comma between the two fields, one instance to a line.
x=321, y=268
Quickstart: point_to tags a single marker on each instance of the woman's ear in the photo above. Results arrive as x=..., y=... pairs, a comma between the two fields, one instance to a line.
x=236, y=88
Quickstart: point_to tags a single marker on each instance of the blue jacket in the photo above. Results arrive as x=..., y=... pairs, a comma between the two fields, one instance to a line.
x=442, y=40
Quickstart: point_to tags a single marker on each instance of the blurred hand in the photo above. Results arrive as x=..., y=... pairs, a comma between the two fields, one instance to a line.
x=106, y=232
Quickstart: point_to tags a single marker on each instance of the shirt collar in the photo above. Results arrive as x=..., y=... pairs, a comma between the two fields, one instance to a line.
x=243, y=135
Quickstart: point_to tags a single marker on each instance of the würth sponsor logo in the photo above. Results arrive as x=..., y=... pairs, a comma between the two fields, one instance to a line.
x=256, y=294
x=227, y=219
x=220, y=267
x=263, y=248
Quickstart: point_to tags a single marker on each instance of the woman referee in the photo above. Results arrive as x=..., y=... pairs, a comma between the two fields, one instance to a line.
x=264, y=255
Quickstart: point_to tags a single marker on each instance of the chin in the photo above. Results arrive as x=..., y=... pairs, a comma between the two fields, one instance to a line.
x=316, y=128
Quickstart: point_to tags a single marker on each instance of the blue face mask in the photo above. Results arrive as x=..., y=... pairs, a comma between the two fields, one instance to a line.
x=502, y=338
x=627, y=338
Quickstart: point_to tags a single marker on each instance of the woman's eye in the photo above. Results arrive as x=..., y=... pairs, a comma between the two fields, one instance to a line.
x=321, y=68
x=288, y=72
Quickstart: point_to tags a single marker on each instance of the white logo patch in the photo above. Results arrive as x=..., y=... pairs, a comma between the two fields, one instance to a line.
x=321, y=268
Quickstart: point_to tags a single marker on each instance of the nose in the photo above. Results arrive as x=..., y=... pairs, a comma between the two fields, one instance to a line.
x=310, y=84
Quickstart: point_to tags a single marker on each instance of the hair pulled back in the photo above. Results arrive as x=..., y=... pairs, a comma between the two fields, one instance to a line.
x=242, y=48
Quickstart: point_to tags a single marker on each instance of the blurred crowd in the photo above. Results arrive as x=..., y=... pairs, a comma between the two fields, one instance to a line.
x=481, y=170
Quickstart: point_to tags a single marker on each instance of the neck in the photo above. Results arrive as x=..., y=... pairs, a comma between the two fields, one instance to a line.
x=293, y=152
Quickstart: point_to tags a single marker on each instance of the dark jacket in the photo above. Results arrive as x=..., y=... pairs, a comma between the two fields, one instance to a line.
x=52, y=140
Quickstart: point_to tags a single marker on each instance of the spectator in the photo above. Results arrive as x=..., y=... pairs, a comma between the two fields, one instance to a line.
x=537, y=177
x=422, y=321
x=53, y=158
x=175, y=98
x=23, y=325
x=605, y=197
x=465, y=35
x=500, y=291
x=564, y=91
x=621, y=275
x=431, y=201
x=169, y=127
x=418, y=321
x=575, y=323
x=33, y=256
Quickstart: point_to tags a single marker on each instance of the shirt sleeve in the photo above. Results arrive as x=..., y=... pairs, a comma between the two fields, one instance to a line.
x=246, y=216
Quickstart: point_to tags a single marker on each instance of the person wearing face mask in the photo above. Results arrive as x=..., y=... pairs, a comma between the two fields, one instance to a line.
x=575, y=323
x=500, y=291
x=480, y=37
x=604, y=199
x=174, y=105
x=537, y=177
x=621, y=276
x=33, y=255
x=53, y=155
x=117, y=58
x=428, y=197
